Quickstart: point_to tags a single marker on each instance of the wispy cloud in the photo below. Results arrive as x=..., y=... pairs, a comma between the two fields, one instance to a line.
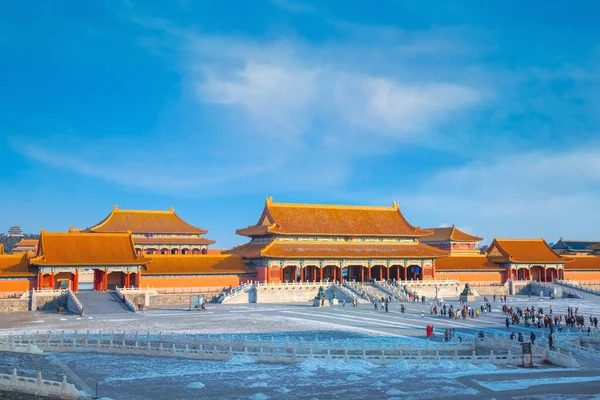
x=301, y=88
x=302, y=107
x=536, y=193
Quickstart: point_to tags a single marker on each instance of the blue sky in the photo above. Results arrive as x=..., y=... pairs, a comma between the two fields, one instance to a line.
x=483, y=115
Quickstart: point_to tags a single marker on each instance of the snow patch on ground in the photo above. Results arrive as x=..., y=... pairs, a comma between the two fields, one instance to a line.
x=256, y=377
x=394, y=392
x=258, y=396
x=355, y=366
x=195, y=385
x=500, y=386
x=283, y=390
x=259, y=385
x=242, y=360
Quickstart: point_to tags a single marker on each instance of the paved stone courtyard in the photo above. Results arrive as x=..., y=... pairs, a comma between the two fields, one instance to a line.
x=130, y=377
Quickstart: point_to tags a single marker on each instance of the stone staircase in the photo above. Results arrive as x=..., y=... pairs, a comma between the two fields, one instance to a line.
x=95, y=303
x=397, y=292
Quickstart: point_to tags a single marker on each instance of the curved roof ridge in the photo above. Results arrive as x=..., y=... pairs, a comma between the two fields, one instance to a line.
x=145, y=221
x=394, y=205
x=519, y=239
x=332, y=220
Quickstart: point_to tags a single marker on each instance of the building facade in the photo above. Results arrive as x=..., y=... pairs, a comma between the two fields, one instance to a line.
x=289, y=243
x=575, y=247
x=99, y=261
x=28, y=246
x=155, y=232
x=453, y=240
x=313, y=242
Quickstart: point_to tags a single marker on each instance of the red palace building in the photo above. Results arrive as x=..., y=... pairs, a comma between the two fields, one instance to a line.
x=312, y=242
x=155, y=232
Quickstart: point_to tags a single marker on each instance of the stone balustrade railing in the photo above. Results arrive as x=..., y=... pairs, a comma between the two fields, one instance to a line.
x=487, y=283
x=20, y=346
x=575, y=285
x=235, y=292
x=374, y=344
x=350, y=293
x=270, y=351
x=397, y=292
x=369, y=293
x=56, y=292
x=73, y=303
x=439, y=282
x=121, y=294
x=137, y=290
x=284, y=350
x=358, y=292
x=39, y=386
x=292, y=284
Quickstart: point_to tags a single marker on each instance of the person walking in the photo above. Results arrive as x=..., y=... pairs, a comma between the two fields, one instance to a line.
x=507, y=322
x=402, y=309
x=386, y=307
x=521, y=339
x=551, y=343
x=532, y=337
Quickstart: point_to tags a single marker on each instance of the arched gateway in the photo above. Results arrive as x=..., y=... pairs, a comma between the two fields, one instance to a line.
x=313, y=242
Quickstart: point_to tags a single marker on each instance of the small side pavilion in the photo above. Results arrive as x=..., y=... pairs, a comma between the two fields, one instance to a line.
x=104, y=260
x=527, y=259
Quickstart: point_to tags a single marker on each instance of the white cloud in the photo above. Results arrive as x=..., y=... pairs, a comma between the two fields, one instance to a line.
x=271, y=94
x=534, y=193
x=302, y=88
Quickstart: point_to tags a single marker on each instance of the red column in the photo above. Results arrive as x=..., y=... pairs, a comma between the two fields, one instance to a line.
x=405, y=273
x=302, y=274
x=295, y=273
x=433, y=271
x=52, y=280
x=397, y=273
x=76, y=281
x=362, y=274
x=321, y=274
x=281, y=276
x=314, y=274
x=40, y=280
x=335, y=274
x=388, y=274
x=105, y=280
x=139, y=279
x=341, y=275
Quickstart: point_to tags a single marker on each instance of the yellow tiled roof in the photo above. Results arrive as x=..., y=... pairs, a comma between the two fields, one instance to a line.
x=469, y=263
x=586, y=262
x=321, y=219
x=212, y=264
x=143, y=221
x=449, y=234
x=14, y=265
x=27, y=243
x=81, y=248
x=527, y=250
x=288, y=249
